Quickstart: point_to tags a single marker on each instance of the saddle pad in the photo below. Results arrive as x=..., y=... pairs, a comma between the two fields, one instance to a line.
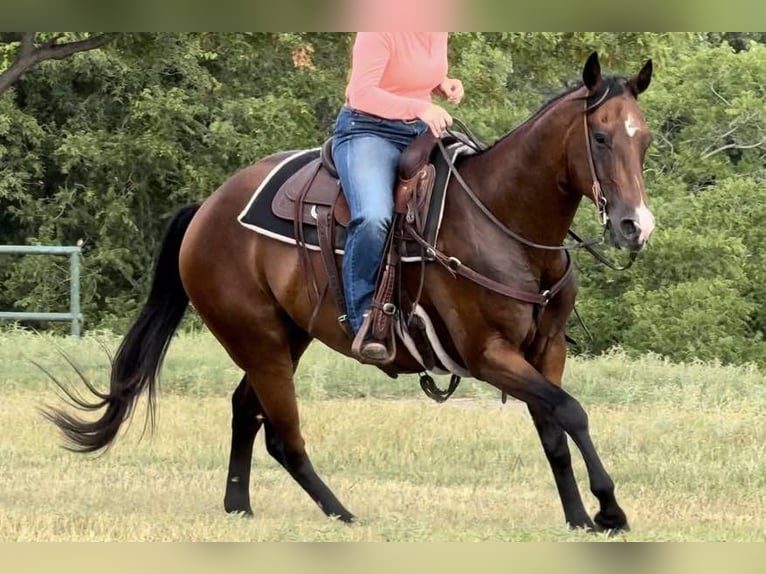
x=258, y=215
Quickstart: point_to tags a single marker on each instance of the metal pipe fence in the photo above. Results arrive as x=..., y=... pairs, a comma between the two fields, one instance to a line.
x=74, y=315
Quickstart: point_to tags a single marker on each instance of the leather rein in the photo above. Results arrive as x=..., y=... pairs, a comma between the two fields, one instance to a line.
x=541, y=298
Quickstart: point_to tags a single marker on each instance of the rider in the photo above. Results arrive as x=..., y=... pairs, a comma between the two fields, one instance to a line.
x=388, y=104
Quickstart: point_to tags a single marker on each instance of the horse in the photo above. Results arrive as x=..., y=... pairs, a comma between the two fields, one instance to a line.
x=505, y=220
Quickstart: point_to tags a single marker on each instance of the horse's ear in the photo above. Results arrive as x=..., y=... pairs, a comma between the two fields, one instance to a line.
x=591, y=72
x=641, y=81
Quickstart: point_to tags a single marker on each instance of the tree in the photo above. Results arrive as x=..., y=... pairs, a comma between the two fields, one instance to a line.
x=127, y=134
x=106, y=146
x=35, y=47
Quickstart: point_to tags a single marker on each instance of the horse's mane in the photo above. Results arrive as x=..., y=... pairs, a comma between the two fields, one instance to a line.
x=613, y=86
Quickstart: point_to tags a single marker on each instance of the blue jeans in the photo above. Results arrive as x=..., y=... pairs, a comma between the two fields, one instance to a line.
x=366, y=151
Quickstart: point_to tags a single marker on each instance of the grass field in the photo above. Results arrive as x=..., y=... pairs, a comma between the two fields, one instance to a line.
x=685, y=445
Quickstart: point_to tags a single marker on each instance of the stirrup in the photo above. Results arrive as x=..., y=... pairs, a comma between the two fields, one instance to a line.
x=363, y=338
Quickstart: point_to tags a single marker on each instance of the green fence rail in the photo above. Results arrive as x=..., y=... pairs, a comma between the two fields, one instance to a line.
x=74, y=315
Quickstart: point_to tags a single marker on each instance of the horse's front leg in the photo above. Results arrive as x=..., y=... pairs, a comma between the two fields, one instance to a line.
x=555, y=412
x=549, y=361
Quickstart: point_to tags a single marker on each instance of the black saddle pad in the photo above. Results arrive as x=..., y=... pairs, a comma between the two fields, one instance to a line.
x=259, y=217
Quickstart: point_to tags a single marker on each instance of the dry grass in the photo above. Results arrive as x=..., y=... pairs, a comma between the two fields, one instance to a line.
x=685, y=445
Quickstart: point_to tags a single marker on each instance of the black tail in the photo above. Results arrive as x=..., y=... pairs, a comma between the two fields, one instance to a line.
x=140, y=355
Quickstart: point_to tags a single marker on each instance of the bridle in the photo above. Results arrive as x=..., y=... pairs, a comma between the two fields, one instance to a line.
x=599, y=198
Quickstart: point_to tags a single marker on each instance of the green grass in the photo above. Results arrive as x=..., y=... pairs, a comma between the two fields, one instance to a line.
x=684, y=444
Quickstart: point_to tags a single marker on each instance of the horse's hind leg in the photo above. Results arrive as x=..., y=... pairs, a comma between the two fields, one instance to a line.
x=275, y=389
x=246, y=420
x=268, y=351
x=247, y=417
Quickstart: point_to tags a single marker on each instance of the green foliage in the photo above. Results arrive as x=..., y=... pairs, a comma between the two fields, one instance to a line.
x=508, y=75
x=699, y=289
x=106, y=145
x=689, y=319
x=708, y=114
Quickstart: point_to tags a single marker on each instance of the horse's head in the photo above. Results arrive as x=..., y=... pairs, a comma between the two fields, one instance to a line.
x=618, y=138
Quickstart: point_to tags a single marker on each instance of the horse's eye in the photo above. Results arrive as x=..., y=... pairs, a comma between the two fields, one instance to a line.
x=600, y=138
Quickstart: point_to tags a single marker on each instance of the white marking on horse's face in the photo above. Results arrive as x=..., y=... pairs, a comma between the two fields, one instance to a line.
x=645, y=221
x=631, y=126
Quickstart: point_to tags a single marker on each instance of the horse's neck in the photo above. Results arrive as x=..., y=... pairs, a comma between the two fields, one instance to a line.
x=524, y=178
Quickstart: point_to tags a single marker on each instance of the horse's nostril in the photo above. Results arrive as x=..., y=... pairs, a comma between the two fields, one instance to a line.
x=630, y=228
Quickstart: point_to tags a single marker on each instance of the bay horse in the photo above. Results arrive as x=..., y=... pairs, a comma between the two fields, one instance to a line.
x=590, y=141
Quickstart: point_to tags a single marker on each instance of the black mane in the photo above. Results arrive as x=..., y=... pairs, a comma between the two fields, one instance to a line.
x=613, y=86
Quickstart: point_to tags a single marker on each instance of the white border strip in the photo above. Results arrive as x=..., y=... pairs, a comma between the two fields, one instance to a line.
x=266, y=180
x=455, y=149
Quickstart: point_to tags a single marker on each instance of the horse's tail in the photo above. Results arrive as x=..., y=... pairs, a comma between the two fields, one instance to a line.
x=139, y=357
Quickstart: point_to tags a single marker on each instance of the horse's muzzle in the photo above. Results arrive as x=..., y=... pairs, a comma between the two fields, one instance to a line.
x=630, y=227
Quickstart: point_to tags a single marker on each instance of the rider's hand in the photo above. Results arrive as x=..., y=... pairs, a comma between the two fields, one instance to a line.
x=452, y=89
x=437, y=118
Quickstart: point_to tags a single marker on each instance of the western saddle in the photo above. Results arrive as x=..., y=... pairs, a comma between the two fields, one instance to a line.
x=312, y=196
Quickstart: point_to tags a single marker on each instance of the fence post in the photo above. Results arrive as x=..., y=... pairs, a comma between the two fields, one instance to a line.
x=74, y=290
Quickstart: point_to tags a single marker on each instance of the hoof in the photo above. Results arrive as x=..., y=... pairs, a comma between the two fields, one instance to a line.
x=581, y=524
x=241, y=509
x=347, y=519
x=612, y=522
x=246, y=513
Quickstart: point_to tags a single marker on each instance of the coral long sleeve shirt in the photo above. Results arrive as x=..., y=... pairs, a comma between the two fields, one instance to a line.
x=393, y=73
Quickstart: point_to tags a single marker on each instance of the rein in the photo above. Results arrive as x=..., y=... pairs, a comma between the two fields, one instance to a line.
x=493, y=218
x=598, y=197
x=456, y=267
x=600, y=257
x=542, y=298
